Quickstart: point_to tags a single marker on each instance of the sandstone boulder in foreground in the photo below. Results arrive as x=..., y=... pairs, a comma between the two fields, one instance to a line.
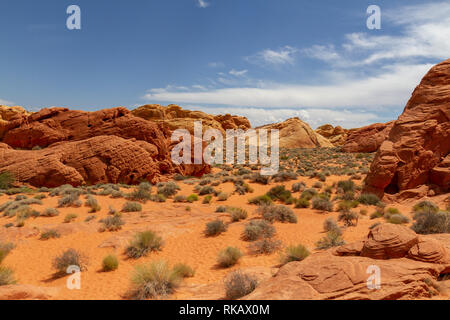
x=417, y=149
x=409, y=268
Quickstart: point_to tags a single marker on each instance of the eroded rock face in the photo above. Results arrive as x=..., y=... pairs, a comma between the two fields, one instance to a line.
x=336, y=135
x=7, y=114
x=102, y=159
x=409, y=266
x=368, y=138
x=177, y=118
x=416, y=151
x=294, y=133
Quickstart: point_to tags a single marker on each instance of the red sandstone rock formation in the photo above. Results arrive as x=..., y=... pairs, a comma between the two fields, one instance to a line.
x=417, y=149
x=367, y=139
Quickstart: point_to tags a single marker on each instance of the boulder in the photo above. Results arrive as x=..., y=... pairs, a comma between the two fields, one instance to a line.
x=416, y=151
x=368, y=138
x=336, y=135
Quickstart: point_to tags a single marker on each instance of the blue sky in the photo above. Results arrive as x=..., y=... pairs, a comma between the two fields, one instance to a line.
x=268, y=60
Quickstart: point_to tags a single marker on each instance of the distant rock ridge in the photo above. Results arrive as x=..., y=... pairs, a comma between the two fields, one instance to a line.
x=336, y=135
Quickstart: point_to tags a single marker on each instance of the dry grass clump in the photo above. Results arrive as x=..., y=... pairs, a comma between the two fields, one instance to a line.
x=278, y=213
x=239, y=284
x=144, y=243
x=68, y=258
x=110, y=263
x=295, y=253
x=229, y=257
x=214, y=228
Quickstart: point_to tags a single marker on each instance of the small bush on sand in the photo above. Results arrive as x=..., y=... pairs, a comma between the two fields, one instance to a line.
x=295, y=253
x=6, y=180
x=144, y=243
x=397, y=218
x=5, y=249
x=192, y=198
x=70, y=200
x=70, y=217
x=141, y=193
x=279, y=193
x=323, y=204
x=237, y=214
x=221, y=209
x=349, y=217
x=112, y=223
x=180, y=198
x=330, y=225
x=239, y=284
x=131, y=207
x=207, y=199
x=258, y=229
x=264, y=246
x=308, y=194
x=168, y=189
x=222, y=196
x=279, y=213
x=92, y=203
x=206, y=190
x=50, y=212
x=153, y=280
x=346, y=185
x=110, y=263
x=214, y=228
x=298, y=186
x=425, y=206
x=50, y=234
x=183, y=270
x=261, y=200
x=6, y=276
x=429, y=221
x=228, y=257
x=369, y=199
x=302, y=203
x=332, y=239
x=70, y=257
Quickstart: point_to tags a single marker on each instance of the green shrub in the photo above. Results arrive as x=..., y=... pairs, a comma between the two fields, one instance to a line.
x=238, y=284
x=206, y=190
x=258, y=229
x=92, y=203
x=70, y=217
x=378, y=213
x=430, y=221
x=6, y=276
x=144, y=243
x=397, y=218
x=369, y=199
x=168, y=189
x=426, y=206
x=308, y=194
x=180, y=198
x=279, y=193
x=332, y=239
x=70, y=200
x=192, y=198
x=346, y=185
x=295, y=253
x=279, y=213
x=112, y=223
x=350, y=218
x=5, y=249
x=222, y=196
x=131, y=207
x=302, y=203
x=183, y=270
x=261, y=200
x=153, y=280
x=264, y=246
x=50, y=212
x=228, y=257
x=207, y=199
x=320, y=203
x=110, y=263
x=237, y=214
x=6, y=180
x=141, y=193
x=68, y=258
x=221, y=209
x=214, y=228
x=330, y=225
x=298, y=186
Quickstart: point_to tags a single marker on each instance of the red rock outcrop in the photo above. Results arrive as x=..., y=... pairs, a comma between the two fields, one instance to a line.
x=336, y=135
x=336, y=274
x=88, y=148
x=367, y=139
x=416, y=151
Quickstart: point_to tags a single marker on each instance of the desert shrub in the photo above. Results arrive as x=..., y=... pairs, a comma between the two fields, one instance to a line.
x=141, y=193
x=6, y=180
x=320, y=203
x=117, y=194
x=261, y=200
x=264, y=246
x=295, y=253
x=221, y=209
x=237, y=214
x=153, y=280
x=317, y=185
x=50, y=212
x=298, y=186
x=363, y=212
x=279, y=193
x=183, y=270
x=168, y=189
x=70, y=217
x=391, y=211
x=158, y=198
x=40, y=196
x=258, y=178
x=5, y=249
x=302, y=203
x=131, y=207
x=192, y=198
x=214, y=228
x=330, y=225
x=239, y=284
x=429, y=221
x=284, y=176
x=92, y=203
x=243, y=189
x=332, y=239
x=279, y=213
x=70, y=257
x=349, y=217
x=308, y=194
x=112, y=223
x=258, y=229
x=70, y=200
x=368, y=199
x=346, y=185
x=6, y=276
x=378, y=213
x=180, y=198
x=50, y=234
x=222, y=196
x=397, y=218
x=90, y=218
x=346, y=205
x=228, y=257
x=426, y=206
x=207, y=199
x=144, y=243
x=110, y=263
x=206, y=190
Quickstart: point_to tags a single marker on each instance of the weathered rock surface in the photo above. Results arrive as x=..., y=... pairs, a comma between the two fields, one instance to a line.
x=416, y=151
x=294, y=133
x=177, y=118
x=102, y=159
x=27, y=292
x=409, y=267
x=7, y=114
x=368, y=138
x=336, y=135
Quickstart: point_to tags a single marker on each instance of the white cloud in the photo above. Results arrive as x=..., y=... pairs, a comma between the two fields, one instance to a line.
x=203, y=3
x=6, y=103
x=237, y=73
x=391, y=87
x=284, y=55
